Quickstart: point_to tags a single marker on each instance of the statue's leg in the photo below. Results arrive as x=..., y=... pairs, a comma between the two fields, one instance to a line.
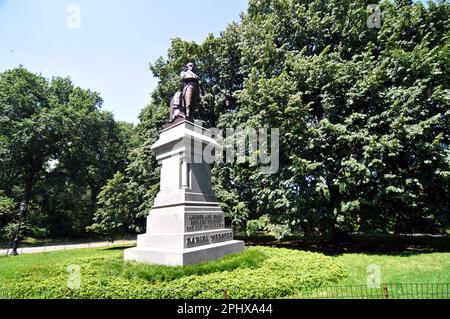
x=188, y=99
x=181, y=103
x=176, y=113
x=171, y=110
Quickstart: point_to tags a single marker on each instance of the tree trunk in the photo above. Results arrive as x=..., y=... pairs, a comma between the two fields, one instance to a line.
x=335, y=201
x=93, y=204
x=337, y=235
x=29, y=182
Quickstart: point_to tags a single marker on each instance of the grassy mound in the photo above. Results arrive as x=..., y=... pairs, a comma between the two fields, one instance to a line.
x=256, y=273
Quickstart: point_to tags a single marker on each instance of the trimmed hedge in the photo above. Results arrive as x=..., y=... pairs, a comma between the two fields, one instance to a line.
x=258, y=272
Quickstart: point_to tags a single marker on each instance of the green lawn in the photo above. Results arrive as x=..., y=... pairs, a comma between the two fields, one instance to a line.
x=403, y=276
x=400, y=268
x=258, y=272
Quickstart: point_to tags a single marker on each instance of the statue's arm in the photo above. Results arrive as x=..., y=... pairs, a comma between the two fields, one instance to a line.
x=188, y=75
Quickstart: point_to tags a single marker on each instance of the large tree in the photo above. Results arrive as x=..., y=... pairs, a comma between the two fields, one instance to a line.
x=363, y=113
x=57, y=147
x=35, y=126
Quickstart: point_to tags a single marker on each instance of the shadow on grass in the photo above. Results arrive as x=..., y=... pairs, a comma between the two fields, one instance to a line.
x=396, y=245
x=121, y=247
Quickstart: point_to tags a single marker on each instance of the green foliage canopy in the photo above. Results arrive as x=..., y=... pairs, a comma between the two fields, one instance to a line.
x=363, y=113
x=57, y=150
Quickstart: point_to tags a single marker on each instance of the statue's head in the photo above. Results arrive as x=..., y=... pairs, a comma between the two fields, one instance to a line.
x=190, y=66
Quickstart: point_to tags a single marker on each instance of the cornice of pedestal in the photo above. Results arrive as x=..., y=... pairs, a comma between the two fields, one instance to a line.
x=184, y=137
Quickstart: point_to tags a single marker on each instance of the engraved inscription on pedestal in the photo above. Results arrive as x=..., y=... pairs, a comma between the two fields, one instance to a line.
x=203, y=221
x=214, y=238
x=221, y=237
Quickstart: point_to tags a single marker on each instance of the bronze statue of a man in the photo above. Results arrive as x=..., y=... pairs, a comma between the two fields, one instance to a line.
x=190, y=89
x=184, y=103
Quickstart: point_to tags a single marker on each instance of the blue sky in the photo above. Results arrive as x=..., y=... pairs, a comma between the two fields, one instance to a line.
x=110, y=51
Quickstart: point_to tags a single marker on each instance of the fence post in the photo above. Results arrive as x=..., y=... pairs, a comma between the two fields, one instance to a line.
x=9, y=247
x=385, y=290
x=7, y=251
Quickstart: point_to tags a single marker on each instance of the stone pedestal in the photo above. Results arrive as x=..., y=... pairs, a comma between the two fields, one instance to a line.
x=186, y=224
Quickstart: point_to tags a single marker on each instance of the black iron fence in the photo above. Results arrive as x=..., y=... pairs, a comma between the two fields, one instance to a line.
x=385, y=291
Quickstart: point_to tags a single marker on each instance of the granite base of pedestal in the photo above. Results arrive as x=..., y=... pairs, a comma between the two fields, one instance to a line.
x=182, y=257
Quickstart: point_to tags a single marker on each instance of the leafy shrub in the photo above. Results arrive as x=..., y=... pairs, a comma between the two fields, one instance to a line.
x=280, y=231
x=256, y=273
x=257, y=224
x=9, y=231
x=251, y=259
x=6, y=205
x=283, y=273
x=38, y=232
